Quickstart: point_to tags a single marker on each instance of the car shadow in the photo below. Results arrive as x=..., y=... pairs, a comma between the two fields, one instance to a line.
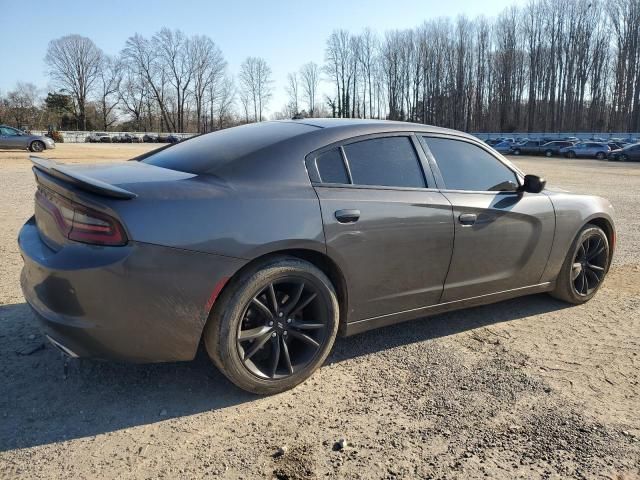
x=47, y=398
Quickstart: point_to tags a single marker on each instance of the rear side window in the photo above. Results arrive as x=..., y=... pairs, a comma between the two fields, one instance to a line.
x=331, y=167
x=214, y=151
x=388, y=161
x=465, y=166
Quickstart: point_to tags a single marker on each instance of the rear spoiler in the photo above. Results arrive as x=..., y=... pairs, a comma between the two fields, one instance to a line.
x=81, y=181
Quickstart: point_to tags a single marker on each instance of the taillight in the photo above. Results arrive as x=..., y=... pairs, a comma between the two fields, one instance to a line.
x=80, y=223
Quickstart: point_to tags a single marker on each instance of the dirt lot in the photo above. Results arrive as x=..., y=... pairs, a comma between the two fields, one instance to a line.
x=528, y=388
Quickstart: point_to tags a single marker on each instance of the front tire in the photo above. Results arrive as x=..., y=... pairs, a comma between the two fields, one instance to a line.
x=600, y=156
x=36, y=146
x=585, y=266
x=516, y=151
x=548, y=153
x=273, y=325
x=571, y=154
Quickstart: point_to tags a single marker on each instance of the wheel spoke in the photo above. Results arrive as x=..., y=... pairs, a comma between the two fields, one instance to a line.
x=275, y=352
x=257, y=346
x=263, y=308
x=594, y=275
x=296, y=298
x=307, y=325
x=595, y=254
x=593, y=246
x=595, y=267
x=287, y=358
x=252, y=333
x=304, y=337
x=582, y=280
x=274, y=299
x=303, y=304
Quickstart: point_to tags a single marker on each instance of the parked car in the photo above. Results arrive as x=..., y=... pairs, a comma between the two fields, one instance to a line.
x=503, y=147
x=630, y=152
x=130, y=138
x=270, y=282
x=616, y=145
x=13, y=138
x=150, y=138
x=586, y=150
x=530, y=147
x=550, y=149
x=173, y=139
x=97, y=137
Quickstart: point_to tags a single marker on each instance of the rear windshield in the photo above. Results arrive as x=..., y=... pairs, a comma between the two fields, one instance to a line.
x=206, y=153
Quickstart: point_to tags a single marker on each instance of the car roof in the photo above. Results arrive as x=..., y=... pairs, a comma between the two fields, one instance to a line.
x=357, y=125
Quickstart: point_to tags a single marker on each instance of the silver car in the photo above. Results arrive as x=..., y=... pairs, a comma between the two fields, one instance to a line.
x=586, y=150
x=13, y=138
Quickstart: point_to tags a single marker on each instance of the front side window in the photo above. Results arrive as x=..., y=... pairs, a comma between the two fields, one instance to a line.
x=387, y=161
x=465, y=166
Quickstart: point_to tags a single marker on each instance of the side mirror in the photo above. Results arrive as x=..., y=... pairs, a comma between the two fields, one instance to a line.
x=533, y=184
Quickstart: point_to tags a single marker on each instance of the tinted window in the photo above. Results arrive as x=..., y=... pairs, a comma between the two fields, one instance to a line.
x=8, y=131
x=389, y=161
x=465, y=166
x=210, y=152
x=331, y=167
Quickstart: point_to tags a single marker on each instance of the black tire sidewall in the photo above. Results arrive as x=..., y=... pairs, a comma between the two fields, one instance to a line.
x=565, y=289
x=37, y=142
x=221, y=330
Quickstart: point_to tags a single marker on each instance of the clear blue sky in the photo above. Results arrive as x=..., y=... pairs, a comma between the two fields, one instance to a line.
x=286, y=33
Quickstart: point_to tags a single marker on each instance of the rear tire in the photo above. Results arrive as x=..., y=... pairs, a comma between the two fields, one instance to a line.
x=516, y=151
x=263, y=336
x=548, y=153
x=571, y=154
x=600, y=156
x=622, y=158
x=585, y=266
x=37, y=146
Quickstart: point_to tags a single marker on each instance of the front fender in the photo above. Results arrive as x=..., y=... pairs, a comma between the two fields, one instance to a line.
x=572, y=213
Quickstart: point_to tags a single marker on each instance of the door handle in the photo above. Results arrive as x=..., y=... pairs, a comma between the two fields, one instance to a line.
x=347, y=216
x=467, y=218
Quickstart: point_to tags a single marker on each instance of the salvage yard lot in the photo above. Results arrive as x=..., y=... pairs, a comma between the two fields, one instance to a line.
x=526, y=388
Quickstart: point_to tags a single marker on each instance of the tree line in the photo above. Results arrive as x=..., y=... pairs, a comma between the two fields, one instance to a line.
x=547, y=66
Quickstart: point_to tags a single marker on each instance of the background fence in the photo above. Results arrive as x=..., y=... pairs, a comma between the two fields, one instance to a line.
x=558, y=135
x=80, y=137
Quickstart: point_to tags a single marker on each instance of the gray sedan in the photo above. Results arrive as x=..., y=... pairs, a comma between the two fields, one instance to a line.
x=266, y=241
x=13, y=138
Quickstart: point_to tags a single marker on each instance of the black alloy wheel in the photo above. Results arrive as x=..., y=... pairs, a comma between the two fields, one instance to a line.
x=273, y=324
x=282, y=328
x=589, y=265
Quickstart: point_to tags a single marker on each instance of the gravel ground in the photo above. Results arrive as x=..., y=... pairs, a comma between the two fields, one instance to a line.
x=527, y=388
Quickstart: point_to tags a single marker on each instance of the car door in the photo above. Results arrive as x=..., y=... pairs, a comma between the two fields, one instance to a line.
x=386, y=225
x=10, y=138
x=503, y=237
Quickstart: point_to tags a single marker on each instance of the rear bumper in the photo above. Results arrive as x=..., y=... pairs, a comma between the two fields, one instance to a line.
x=140, y=302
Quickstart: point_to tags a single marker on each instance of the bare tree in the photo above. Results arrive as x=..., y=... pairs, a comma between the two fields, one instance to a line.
x=292, y=91
x=109, y=80
x=74, y=64
x=208, y=69
x=256, y=85
x=310, y=75
x=22, y=104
